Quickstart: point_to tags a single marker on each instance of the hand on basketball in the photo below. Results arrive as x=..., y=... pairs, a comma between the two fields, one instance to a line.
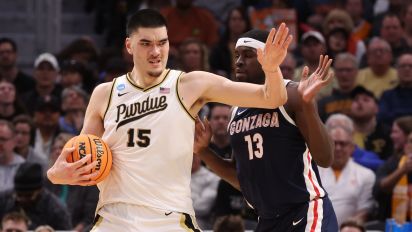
x=310, y=86
x=276, y=48
x=76, y=173
x=203, y=133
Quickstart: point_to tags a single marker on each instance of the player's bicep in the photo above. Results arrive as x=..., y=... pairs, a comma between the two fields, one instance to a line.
x=93, y=120
x=223, y=90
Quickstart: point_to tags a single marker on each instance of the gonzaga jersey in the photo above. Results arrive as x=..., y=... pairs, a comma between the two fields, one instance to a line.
x=150, y=134
x=274, y=165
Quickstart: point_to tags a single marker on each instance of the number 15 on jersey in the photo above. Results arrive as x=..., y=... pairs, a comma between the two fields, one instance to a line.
x=142, y=137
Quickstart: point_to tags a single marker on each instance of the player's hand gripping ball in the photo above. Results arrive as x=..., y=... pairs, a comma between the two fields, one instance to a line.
x=90, y=144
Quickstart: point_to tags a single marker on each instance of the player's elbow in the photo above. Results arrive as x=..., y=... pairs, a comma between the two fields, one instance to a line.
x=278, y=101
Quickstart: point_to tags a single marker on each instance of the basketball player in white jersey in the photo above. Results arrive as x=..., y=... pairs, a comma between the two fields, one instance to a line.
x=147, y=117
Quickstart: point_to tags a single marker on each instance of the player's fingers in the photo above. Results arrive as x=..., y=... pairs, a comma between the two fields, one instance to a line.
x=328, y=78
x=66, y=152
x=87, y=182
x=87, y=168
x=260, y=55
x=319, y=65
x=208, y=128
x=81, y=162
x=325, y=70
x=284, y=35
x=270, y=38
x=287, y=42
x=279, y=34
x=305, y=73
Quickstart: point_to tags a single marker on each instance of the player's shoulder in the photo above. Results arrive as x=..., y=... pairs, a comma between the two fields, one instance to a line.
x=103, y=87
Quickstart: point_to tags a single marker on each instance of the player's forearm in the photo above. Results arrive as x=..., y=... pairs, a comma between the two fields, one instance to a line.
x=319, y=142
x=274, y=89
x=224, y=169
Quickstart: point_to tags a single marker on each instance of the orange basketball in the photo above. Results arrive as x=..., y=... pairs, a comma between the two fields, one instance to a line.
x=91, y=144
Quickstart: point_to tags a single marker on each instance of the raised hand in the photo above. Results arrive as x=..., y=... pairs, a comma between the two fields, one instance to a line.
x=77, y=173
x=310, y=86
x=203, y=134
x=276, y=48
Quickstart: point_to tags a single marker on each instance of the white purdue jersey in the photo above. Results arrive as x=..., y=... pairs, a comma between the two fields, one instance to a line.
x=150, y=134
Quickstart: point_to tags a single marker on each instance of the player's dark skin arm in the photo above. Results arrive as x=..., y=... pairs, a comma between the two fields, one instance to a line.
x=302, y=108
x=307, y=120
x=223, y=168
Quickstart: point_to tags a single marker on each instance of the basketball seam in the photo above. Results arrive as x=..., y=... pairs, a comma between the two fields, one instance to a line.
x=72, y=153
x=91, y=152
x=107, y=160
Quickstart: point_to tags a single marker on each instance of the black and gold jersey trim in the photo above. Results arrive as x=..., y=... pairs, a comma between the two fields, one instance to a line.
x=110, y=98
x=165, y=75
x=186, y=222
x=178, y=97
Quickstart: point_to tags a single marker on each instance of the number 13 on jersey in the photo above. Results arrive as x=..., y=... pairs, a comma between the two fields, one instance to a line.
x=254, y=141
x=142, y=137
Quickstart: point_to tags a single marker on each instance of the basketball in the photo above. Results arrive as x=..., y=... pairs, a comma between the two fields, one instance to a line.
x=91, y=144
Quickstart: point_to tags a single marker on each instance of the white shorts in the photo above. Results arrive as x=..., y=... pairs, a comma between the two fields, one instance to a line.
x=136, y=218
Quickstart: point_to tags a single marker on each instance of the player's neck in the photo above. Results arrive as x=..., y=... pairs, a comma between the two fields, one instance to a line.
x=144, y=80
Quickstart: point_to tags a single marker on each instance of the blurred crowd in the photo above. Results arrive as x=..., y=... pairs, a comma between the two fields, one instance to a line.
x=366, y=108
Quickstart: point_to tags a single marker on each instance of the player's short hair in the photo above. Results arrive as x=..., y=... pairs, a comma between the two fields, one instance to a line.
x=10, y=41
x=148, y=18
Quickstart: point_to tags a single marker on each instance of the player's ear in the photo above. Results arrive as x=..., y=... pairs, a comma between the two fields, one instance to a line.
x=128, y=44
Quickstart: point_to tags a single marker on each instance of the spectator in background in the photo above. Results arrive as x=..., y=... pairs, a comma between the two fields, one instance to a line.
x=395, y=103
x=362, y=28
x=80, y=201
x=14, y=222
x=379, y=75
x=83, y=50
x=8, y=67
x=391, y=182
x=187, y=21
x=407, y=23
x=352, y=226
x=9, y=160
x=288, y=67
x=115, y=67
x=346, y=70
x=46, y=120
x=204, y=189
x=363, y=157
x=193, y=56
x=46, y=70
x=338, y=18
x=74, y=102
x=30, y=197
x=349, y=185
x=229, y=223
x=337, y=41
x=219, y=117
x=24, y=134
x=313, y=45
x=369, y=134
x=222, y=55
x=72, y=74
x=392, y=32
x=10, y=105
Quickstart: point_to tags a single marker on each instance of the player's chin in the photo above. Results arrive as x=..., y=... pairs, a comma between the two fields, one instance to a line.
x=241, y=77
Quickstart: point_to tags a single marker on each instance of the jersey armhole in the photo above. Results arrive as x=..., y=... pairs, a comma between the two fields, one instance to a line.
x=110, y=99
x=178, y=97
